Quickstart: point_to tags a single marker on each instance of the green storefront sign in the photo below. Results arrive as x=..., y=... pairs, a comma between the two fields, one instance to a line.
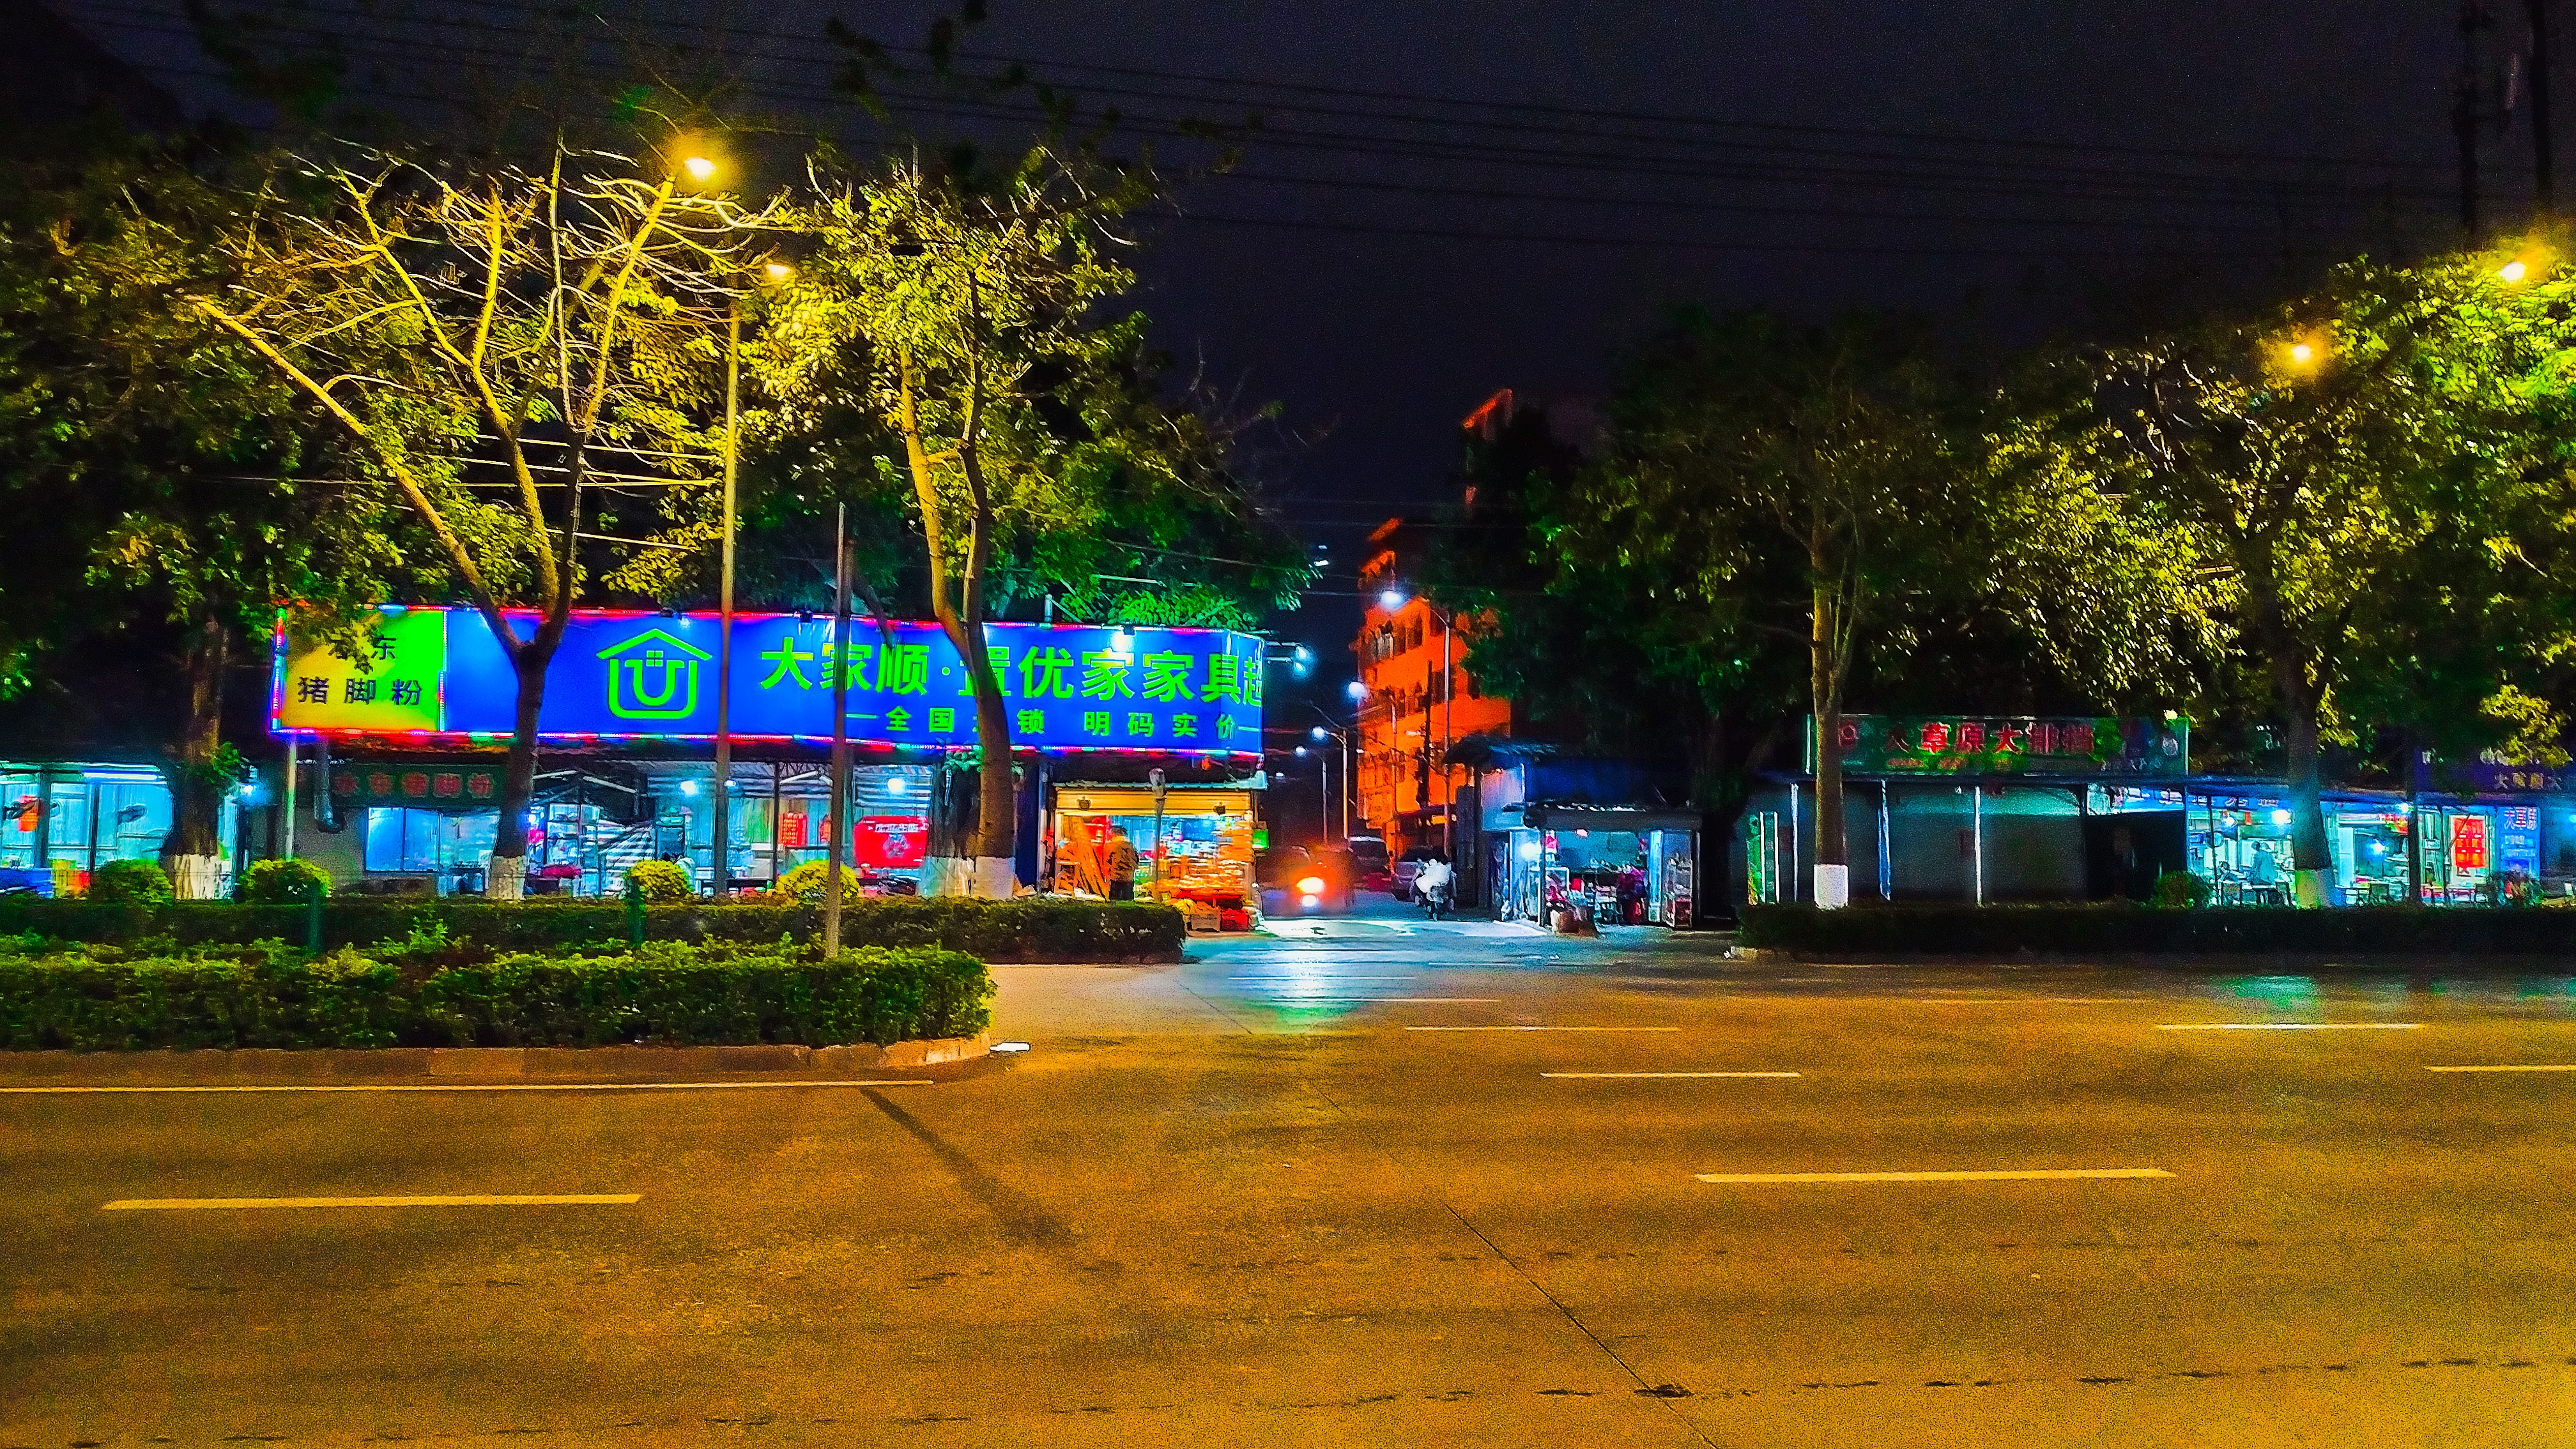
x=2102, y=746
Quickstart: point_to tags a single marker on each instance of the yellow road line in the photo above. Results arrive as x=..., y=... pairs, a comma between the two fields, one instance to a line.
x=2022, y=1175
x=159, y=1204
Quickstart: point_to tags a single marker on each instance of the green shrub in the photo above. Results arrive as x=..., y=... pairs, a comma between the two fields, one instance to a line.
x=2180, y=889
x=130, y=880
x=1040, y=928
x=283, y=882
x=662, y=880
x=2356, y=933
x=806, y=883
x=267, y=995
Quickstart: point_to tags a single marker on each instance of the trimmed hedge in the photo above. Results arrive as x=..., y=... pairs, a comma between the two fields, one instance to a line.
x=2125, y=929
x=1026, y=929
x=269, y=995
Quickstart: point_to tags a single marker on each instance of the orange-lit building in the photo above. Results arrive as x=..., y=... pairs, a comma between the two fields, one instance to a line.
x=1421, y=699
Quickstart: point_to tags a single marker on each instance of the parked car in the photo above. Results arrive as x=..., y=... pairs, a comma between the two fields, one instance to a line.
x=1300, y=880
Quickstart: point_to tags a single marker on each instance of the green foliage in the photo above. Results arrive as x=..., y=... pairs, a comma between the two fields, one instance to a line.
x=2181, y=890
x=1027, y=929
x=662, y=881
x=140, y=881
x=267, y=995
x=806, y=883
x=283, y=882
x=2353, y=933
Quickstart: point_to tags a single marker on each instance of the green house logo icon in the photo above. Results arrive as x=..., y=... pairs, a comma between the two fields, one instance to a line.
x=650, y=671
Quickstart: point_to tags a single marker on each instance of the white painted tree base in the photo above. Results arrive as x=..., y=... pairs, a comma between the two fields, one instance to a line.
x=505, y=878
x=1833, y=887
x=983, y=875
x=197, y=877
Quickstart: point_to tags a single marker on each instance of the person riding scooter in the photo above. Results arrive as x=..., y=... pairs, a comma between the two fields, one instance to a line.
x=1433, y=884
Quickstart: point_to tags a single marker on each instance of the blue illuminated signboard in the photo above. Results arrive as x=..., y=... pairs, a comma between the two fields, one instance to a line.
x=627, y=676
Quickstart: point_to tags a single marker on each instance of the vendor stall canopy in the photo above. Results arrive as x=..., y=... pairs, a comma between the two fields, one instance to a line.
x=436, y=675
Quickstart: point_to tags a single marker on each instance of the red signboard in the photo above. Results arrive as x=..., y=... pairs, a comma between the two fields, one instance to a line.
x=791, y=830
x=2468, y=842
x=895, y=841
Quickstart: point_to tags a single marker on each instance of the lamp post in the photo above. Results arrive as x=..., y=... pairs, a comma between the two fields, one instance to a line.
x=1393, y=600
x=1330, y=731
x=774, y=272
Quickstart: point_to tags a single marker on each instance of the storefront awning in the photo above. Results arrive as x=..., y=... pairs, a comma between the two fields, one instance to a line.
x=1539, y=815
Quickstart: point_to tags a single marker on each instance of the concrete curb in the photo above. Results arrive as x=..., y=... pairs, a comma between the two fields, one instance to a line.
x=613, y=1063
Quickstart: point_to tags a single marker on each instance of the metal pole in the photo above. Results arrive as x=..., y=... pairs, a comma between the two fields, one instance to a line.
x=1448, y=708
x=1977, y=834
x=1793, y=842
x=289, y=842
x=1160, y=898
x=840, y=820
x=2464, y=116
x=1323, y=792
x=2541, y=188
x=1886, y=861
x=724, y=612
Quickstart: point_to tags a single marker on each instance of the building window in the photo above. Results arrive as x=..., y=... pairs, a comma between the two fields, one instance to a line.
x=404, y=841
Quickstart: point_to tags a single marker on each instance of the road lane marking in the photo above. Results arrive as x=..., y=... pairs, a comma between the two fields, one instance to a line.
x=2502, y=1069
x=182, y=1204
x=2025, y=1175
x=1317, y=980
x=1285, y=999
x=2295, y=1026
x=1603, y=1076
x=1542, y=1028
x=478, y=1087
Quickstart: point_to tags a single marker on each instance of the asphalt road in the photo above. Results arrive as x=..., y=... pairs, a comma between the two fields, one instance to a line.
x=1249, y=1200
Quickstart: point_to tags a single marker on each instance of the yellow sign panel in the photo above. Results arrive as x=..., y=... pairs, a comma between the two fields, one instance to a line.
x=393, y=686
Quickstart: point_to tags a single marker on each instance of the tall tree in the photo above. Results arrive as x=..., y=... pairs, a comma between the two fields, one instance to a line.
x=958, y=308
x=2378, y=473
x=164, y=495
x=490, y=346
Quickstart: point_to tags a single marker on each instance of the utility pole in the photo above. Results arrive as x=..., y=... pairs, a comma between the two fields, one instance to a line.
x=2464, y=115
x=840, y=823
x=2540, y=183
x=724, y=626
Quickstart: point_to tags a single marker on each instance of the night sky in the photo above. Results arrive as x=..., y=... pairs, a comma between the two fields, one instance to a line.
x=1445, y=199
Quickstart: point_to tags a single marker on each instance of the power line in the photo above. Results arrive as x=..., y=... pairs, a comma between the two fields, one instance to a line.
x=2097, y=181
x=1235, y=87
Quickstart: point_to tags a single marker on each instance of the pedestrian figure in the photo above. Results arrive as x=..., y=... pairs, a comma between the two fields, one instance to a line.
x=1122, y=866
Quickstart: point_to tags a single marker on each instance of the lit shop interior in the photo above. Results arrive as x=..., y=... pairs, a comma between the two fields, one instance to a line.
x=2471, y=850
x=1199, y=857
x=589, y=825
x=1613, y=866
x=59, y=822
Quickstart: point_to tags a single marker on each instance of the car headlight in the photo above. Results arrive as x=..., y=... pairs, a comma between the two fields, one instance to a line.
x=1309, y=901
x=1312, y=885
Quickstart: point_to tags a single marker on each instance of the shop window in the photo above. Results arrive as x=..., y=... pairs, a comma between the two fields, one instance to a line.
x=405, y=841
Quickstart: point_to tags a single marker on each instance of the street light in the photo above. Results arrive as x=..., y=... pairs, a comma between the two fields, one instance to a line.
x=699, y=168
x=1391, y=599
x=775, y=271
x=2512, y=271
x=1356, y=690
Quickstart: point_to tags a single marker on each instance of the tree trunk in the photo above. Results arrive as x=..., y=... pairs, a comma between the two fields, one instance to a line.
x=505, y=878
x=1725, y=754
x=997, y=824
x=2294, y=681
x=1833, y=867
x=193, y=851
